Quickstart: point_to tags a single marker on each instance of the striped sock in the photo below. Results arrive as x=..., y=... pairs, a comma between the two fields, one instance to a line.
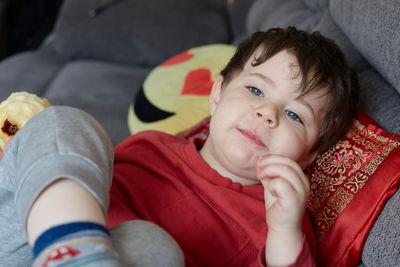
x=75, y=244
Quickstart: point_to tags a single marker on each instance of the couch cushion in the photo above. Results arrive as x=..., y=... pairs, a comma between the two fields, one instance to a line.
x=30, y=71
x=310, y=15
x=382, y=247
x=139, y=32
x=101, y=89
x=373, y=28
x=174, y=95
x=317, y=4
x=238, y=11
x=380, y=100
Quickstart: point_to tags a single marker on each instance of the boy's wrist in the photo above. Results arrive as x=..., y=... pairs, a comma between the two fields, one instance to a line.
x=283, y=246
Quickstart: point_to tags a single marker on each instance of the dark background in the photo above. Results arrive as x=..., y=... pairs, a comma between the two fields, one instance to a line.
x=29, y=22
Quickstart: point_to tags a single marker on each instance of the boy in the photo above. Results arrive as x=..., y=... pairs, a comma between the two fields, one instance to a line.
x=238, y=200
x=284, y=97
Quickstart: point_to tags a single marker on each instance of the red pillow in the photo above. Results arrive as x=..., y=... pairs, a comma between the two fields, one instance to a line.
x=350, y=184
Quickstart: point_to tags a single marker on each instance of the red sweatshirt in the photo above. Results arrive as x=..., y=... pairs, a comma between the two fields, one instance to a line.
x=217, y=222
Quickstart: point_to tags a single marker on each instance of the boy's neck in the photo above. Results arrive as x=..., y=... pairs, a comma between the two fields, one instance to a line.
x=209, y=159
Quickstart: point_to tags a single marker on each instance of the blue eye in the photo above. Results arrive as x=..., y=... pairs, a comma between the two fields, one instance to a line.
x=255, y=91
x=293, y=116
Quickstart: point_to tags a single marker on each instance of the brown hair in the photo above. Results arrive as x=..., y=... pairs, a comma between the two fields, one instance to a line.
x=322, y=67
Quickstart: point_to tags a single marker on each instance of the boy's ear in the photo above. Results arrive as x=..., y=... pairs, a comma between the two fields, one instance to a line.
x=305, y=162
x=215, y=94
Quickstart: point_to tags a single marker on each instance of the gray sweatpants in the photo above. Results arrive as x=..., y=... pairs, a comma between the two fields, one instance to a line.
x=69, y=143
x=58, y=142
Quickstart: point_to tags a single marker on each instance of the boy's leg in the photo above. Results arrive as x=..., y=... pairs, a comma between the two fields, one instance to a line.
x=63, y=142
x=14, y=249
x=59, y=143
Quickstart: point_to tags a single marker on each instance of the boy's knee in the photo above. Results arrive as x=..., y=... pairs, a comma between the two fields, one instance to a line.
x=67, y=127
x=142, y=243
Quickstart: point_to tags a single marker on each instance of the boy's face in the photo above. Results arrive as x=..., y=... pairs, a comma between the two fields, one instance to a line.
x=258, y=112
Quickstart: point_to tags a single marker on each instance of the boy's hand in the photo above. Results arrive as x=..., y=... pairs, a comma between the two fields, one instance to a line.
x=286, y=190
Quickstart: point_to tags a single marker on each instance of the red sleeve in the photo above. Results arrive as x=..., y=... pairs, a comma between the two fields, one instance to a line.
x=304, y=259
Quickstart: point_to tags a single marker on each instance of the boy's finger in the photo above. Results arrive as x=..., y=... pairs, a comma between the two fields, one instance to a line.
x=269, y=197
x=271, y=160
x=298, y=181
x=281, y=190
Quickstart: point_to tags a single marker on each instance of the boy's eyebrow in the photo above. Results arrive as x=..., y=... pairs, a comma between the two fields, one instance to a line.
x=305, y=103
x=263, y=77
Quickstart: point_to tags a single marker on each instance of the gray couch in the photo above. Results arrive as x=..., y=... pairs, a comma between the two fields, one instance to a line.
x=98, y=55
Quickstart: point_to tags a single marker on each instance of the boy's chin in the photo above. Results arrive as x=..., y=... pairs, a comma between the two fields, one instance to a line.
x=245, y=174
x=242, y=156
x=245, y=180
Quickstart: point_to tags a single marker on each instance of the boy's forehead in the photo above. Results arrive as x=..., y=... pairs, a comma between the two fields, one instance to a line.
x=282, y=58
x=282, y=65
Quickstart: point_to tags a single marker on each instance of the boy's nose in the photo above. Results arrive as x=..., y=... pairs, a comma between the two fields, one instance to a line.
x=269, y=116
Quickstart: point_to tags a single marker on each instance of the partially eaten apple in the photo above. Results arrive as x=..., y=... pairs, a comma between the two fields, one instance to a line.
x=16, y=110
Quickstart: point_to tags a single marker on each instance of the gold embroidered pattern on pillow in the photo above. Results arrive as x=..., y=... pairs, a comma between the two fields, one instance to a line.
x=341, y=172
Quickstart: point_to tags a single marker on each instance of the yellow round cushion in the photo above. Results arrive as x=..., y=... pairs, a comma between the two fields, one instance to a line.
x=174, y=96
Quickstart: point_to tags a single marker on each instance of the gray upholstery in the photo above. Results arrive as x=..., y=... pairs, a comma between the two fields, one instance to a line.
x=98, y=63
x=299, y=14
x=31, y=71
x=382, y=245
x=373, y=28
x=139, y=32
x=102, y=89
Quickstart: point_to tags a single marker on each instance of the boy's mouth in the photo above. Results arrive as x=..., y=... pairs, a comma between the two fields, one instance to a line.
x=253, y=138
